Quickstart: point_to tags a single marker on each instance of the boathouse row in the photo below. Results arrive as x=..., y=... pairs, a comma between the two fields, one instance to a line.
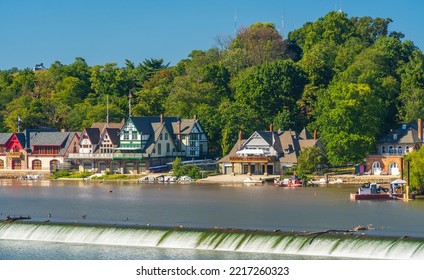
x=393, y=146
x=267, y=152
x=38, y=150
x=130, y=147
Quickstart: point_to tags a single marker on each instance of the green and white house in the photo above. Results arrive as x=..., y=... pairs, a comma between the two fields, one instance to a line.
x=146, y=142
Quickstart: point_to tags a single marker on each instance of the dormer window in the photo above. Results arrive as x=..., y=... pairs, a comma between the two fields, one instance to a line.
x=395, y=136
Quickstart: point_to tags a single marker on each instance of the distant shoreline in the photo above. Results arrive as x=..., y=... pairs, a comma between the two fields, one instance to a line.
x=239, y=178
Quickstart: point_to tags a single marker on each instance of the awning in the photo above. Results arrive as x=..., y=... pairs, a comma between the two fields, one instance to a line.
x=398, y=181
x=250, y=152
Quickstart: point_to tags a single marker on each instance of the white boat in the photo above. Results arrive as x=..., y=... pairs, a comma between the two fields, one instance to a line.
x=147, y=179
x=170, y=179
x=185, y=179
x=250, y=180
x=373, y=191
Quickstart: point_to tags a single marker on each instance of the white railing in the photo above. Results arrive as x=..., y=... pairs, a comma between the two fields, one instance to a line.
x=89, y=156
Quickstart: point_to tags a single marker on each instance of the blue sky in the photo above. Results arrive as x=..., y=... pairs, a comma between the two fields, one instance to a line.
x=102, y=31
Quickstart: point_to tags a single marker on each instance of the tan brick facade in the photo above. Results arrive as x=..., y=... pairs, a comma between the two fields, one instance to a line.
x=385, y=162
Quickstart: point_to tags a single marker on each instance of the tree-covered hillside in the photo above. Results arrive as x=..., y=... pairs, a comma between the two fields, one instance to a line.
x=348, y=78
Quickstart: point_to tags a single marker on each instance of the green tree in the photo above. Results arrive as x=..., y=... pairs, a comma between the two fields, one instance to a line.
x=348, y=119
x=151, y=99
x=309, y=159
x=416, y=170
x=260, y=42
x=270, y=88
x=412, y=88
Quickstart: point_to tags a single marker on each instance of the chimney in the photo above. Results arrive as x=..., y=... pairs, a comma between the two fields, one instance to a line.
x=271, y=128
x=315, y=134
x=161, y=118
x=420, y=128
x=179, y=133
x=240, y=135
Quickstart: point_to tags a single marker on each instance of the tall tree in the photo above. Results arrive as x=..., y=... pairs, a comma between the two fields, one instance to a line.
x=348, y=119
x=270, y=88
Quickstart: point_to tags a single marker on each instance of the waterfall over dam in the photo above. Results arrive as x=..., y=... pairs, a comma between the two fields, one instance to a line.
x=337, y=245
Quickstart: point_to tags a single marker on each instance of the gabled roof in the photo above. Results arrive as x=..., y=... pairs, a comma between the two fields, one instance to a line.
x=4, y=137
x=60, y=139
x=233, y=151
x=288, y=144
x=21, y=138
x=150, y=145
x=29, y=132
x=48, y=138
x=304, y=134
x=93, y=134
x=113, y=135
x=144, y=124
x=103, y=126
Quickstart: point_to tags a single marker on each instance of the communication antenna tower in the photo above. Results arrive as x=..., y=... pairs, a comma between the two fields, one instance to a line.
x=235, y=22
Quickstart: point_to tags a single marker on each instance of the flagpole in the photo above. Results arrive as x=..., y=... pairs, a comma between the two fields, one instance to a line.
x=107, y=110
x=19, y=123
x=129, y=104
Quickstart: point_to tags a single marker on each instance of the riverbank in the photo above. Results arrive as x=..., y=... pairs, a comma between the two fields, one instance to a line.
x=228, y=178
x=339, y=179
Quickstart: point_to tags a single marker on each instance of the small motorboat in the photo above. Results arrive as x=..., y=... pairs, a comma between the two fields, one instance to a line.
x=373, y=191
x=288, y=182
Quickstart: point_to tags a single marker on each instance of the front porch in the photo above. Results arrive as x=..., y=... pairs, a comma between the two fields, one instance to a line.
x=249, y=165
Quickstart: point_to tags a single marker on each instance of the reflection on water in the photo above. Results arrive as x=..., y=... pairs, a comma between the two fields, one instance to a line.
x=209, y=205
x=203, y=206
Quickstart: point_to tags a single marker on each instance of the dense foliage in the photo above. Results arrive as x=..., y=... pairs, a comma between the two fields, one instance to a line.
x=348, y=78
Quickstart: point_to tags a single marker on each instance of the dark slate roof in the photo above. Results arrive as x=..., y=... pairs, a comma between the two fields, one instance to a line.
x=94, y=135
x=113, y=135
x=21, y=138
x=48, y=138
x=144, y=124
x=31, y=131
x=405, y=134
x=4, y=137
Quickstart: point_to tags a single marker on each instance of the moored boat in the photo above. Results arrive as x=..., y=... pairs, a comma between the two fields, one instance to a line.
x=288, y=182
x=250, y=180
x=373, y=191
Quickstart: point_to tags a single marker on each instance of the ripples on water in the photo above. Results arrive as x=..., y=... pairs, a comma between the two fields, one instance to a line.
x=196, y=205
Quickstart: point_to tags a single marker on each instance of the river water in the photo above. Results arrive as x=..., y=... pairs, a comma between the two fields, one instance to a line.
x=205, y=206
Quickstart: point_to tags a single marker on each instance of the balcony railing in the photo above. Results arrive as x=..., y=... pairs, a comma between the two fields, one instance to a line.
x=127, y=156
x=89, y=156
x=252, y=158
x=14, y=154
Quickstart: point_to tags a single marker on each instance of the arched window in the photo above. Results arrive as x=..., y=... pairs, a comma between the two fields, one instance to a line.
x=54, y=165
x=37, y=165
x=376, y=168
x=383, y=149
x=390, y=149
x=406, y=149
x=399, y=150
x=393, y=169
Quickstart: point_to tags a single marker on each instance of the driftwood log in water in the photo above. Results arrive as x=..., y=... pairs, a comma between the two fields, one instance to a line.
x=12, y=219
